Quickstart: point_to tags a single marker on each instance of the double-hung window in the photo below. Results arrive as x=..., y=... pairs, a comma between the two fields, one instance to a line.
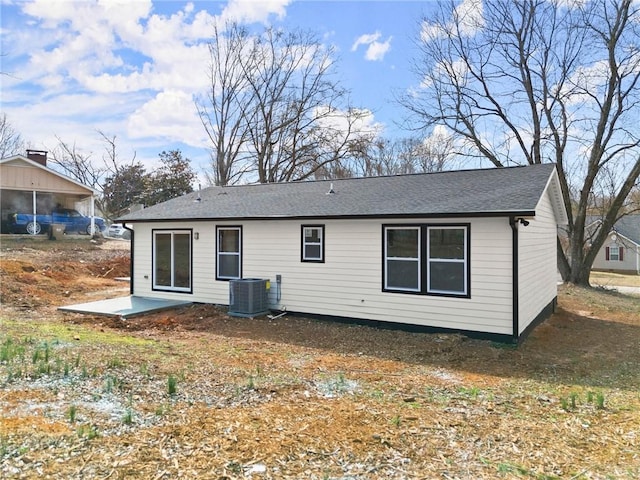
x=402, y=259
x=615, y=253
x=447, y=260
x=172, y=260
x=426, y=259
x=228, y=253
x=313, y=243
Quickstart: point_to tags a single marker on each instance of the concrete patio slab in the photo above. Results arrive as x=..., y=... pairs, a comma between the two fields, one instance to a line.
x=124, y=307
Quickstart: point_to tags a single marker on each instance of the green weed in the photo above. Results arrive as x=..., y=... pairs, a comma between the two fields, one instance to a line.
x=573, y=397
x=171, y=385
x=114, y=362
x=87, y=431
x=72, y=412
x=111, y=383
x=128, y=417
x=471, y=392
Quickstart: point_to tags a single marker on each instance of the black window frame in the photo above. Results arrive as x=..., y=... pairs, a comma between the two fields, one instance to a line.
x=217, y=246
x=424, y=260
x=171, y=288
x=303, y=244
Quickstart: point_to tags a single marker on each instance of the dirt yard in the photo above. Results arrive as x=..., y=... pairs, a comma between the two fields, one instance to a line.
x=194, y=393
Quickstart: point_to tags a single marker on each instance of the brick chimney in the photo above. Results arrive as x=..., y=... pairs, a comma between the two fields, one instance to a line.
x=39, y=156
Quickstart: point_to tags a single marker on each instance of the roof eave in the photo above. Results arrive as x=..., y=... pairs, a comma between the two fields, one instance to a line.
x=32, y=163
x=506, y=213
x=617, y=232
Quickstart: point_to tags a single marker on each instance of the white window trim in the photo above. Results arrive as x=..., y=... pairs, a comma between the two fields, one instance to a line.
x=305, y=243
x=611, y=254
x=235, y=254
x=417, y=260
x=447, y=260
x=172, y=287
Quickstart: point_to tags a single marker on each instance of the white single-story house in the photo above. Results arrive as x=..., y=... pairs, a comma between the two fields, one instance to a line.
x=470, y=251
x=620, y=252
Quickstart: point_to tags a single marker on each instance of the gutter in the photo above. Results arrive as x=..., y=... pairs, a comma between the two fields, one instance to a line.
x=490, y=214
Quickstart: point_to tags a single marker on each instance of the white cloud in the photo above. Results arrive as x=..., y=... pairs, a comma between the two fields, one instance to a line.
x=365, y=39
x=468, y=16
x=586, y=81
x=253, y=11
x=455, y=70
x=363, y=121
x=378, y=50
x=74, y=118
x=375, y=50
x=172, y=115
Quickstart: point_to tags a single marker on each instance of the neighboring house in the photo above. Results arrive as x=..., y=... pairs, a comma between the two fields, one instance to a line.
x=467, y=251
x=27, y=185
x=621, y=250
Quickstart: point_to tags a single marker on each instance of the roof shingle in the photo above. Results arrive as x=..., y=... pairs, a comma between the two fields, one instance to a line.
x=495, y=191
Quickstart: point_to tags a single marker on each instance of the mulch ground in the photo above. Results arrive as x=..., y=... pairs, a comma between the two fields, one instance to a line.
x=195, y=393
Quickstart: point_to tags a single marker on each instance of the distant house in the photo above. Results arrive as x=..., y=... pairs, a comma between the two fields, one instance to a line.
x=27, y=185
x=467, y=251
x=620, y=252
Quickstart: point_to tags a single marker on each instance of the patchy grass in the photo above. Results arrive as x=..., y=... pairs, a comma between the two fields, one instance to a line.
x=609, y=279
x=194, y=393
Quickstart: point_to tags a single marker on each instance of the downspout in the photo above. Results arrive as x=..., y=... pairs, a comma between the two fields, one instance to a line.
x=514, y=273
x=131, y=250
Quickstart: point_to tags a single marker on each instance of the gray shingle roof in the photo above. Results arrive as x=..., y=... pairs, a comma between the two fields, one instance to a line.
x=504, y=191
x=629, y=226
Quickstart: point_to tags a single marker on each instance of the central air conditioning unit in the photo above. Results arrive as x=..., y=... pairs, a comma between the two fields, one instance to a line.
x=248, y=297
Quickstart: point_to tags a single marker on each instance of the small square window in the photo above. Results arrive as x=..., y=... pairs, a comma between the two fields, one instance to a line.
x=313, y=243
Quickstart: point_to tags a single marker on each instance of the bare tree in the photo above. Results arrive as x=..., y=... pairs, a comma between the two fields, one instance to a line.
x=11, y=142
x=72, y=161
x=223, y=111
x=538, y=81
x=274, y=108
x=402, y=156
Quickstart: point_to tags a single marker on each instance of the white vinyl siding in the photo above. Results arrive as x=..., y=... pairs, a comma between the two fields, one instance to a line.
x=537, y=263
x=349, y=282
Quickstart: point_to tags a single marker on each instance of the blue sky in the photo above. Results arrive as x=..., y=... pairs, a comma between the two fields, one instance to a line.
x=131, y=68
